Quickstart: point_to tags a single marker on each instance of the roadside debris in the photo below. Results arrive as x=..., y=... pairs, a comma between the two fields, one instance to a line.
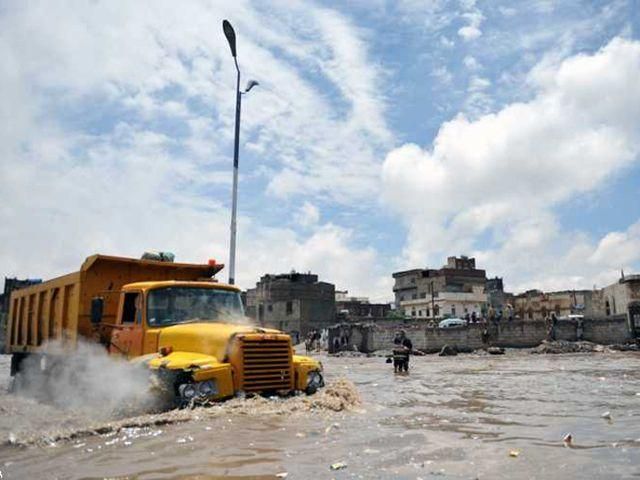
x=495, y=350
x=563, y=346
x=338, y=466
x=448, y=351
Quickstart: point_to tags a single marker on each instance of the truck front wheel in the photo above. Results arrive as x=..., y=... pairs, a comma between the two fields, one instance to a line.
x=314, y=382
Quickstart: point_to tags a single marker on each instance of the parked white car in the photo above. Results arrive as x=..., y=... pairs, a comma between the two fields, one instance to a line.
x=452, y=322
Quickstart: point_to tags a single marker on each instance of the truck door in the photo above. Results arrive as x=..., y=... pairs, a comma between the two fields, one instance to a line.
x=128, y=335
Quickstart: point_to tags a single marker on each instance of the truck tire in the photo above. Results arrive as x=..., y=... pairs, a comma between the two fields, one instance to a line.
x=16, y=362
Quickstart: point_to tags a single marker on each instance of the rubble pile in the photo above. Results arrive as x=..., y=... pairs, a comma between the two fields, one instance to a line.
x=563, y=346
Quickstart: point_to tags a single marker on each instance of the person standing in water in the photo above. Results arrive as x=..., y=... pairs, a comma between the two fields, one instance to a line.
x=401, y=351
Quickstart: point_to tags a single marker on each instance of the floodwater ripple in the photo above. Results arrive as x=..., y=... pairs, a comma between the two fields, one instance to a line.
x=450, y=418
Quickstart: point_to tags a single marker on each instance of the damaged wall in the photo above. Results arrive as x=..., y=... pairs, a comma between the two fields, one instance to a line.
x=515, y=334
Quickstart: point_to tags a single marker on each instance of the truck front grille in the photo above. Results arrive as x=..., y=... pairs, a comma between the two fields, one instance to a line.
x=267, y=365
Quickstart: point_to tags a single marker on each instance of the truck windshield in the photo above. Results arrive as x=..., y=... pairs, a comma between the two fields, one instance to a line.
x=170, y=306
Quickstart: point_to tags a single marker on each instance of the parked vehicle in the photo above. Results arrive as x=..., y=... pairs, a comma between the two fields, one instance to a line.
x=452, y=323
x=172, y=317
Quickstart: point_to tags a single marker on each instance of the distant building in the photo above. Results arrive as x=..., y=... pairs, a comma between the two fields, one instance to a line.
x=538, y=305
x=292, y=302
x=358, y=308
x=456, y=289
x=623, y=297
x=497, y=298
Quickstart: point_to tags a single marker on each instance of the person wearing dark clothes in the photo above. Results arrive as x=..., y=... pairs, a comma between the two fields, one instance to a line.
x=401, y=350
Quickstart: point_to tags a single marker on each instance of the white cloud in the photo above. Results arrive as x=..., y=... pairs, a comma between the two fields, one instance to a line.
x=471, y=31
x=118, y=125
x=504, y=173
x=443, y=75
x=308, y=214
x=471, y=63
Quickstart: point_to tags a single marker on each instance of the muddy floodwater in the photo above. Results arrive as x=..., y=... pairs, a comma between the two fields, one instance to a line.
x=464, y=417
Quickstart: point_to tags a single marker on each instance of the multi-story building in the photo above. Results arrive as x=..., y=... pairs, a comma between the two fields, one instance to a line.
x=623, y=297
x=456, y=289
x=358, y=308
x=538, y=305
x=292, y=302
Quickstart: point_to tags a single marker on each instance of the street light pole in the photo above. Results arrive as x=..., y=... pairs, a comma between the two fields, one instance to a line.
x=234, y=198
x=231, y=38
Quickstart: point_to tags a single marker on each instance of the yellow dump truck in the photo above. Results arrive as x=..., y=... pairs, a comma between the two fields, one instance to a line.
x=173, y=317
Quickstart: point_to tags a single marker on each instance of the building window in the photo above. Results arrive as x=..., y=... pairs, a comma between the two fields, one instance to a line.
x=289, y=308
x=423, y=295
x=608, y=307
x=453, y=309
x=413, y=313
x=401, y=298
x=419, y=313
x=427, y=312
x=414, y=296
x=270, y=307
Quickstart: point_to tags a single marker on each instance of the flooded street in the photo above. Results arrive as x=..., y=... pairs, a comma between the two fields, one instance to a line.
x=464, y=417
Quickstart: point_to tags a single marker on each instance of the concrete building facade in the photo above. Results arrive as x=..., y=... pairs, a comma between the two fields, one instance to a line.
x=455, y=290
x=623, y=297
x=292, y=302
x=538, y=305
x=358, y=308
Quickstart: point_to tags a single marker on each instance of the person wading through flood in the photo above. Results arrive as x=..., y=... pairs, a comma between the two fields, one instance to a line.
x=401, y=351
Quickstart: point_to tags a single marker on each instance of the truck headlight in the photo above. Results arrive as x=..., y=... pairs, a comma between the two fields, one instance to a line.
x=187, y=391
x=207, y=388
x=314, y=381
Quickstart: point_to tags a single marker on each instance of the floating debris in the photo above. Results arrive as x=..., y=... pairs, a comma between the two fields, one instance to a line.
x=514, y=453
x=568, y=440
x=606, y=415
x=338, y=466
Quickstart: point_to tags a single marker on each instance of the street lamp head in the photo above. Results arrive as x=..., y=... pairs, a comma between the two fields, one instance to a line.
x=231, y=36
x=250, y=85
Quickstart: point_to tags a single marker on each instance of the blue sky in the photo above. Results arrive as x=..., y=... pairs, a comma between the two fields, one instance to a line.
x=383, y=136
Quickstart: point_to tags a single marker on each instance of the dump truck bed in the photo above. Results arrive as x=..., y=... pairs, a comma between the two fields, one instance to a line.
x=60, y=309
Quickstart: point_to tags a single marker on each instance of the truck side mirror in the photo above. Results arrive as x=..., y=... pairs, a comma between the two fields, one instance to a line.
x=97, y=306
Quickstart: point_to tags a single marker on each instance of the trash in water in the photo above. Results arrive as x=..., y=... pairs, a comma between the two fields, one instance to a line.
x=606, y=415
x=330, y=427
x=514, y=453
x=282, y=475
x=338, y=466
x=568, y=440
